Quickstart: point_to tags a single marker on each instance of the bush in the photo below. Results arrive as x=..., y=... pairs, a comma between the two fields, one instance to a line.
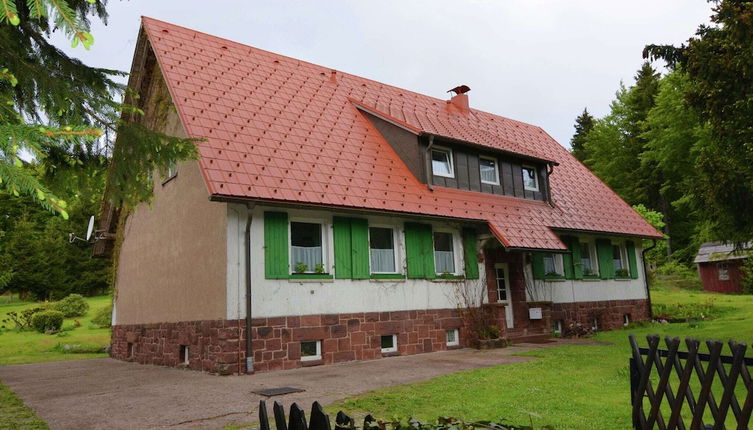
x=674, y=268
x=47, y=321
x=680, y=312
x=21, y=320
x=103, y=317
x=72, y=306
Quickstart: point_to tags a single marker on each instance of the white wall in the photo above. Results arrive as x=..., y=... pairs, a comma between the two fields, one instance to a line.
x=280, y=297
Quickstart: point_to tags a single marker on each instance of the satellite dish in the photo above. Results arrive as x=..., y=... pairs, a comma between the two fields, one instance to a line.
x=90, y=229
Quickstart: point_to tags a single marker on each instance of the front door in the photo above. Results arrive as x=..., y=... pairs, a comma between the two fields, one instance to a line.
x=502, y=277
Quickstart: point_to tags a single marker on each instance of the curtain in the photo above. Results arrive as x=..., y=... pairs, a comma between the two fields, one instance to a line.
x=310, y=256
x=444, y=261
x=383, y=260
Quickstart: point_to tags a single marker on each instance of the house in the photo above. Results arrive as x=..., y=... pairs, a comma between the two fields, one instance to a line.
x=719, y=266
x=332, y=218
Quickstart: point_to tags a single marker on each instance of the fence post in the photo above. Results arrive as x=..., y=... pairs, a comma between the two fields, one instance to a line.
x=635, y=378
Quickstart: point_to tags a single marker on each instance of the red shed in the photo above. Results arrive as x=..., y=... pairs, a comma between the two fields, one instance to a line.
x=719, y=266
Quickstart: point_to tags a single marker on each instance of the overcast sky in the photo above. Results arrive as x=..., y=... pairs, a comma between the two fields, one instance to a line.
x=536, y=61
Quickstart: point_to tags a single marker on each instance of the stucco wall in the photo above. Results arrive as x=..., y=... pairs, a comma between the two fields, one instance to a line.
x=272, y=297
x=172, y=261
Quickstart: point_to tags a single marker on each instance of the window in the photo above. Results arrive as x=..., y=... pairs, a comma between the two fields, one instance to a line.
x=444, y=256
x=311, y=350
x=588, y=259
x=488, y=169
x=626, y=320
x=557, y=327
x=306, y=247
x=595, y=324
x=184, y=354
x=501, y=284
x=619, y=258
x=172, y=171
x=441, y=162
x=389, y=343
x=553, y=265
x=382, y=249
x=453, y=337
x=530, y=178
x=722, y=271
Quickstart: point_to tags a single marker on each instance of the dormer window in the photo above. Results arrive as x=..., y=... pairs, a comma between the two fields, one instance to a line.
x=441, y=162
x=488, y=170
x=530, y=179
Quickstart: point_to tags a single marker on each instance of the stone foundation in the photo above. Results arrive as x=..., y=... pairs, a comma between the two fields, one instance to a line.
x=609, y=314
x=219, y=346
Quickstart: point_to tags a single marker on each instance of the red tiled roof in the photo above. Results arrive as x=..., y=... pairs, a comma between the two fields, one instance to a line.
x=281, y=129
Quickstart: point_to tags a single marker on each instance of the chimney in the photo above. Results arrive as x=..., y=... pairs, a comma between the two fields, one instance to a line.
x=460, y=99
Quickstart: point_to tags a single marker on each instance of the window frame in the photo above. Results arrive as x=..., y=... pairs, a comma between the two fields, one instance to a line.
x=496, y=169
x=325, y=228
x=559, y=266
x=316, y=357
x=523, y=169
x=448, y=151
x=457, y=250
x=504, y=268
x=456, y=332
x=624, y=263
x=395, y=248
x=394, y=344
x=593, y=256
x=719, y=271
x=172, y=172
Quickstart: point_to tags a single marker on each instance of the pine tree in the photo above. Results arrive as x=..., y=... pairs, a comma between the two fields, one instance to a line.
x=583, y=125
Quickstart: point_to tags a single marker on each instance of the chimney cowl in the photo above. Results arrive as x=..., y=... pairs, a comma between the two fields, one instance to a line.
x=460, y=99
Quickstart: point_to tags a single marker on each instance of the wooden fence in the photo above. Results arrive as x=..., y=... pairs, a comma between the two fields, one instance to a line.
x=723, y=385
x=318, y=420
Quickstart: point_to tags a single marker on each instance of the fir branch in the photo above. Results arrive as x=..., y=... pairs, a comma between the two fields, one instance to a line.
x=10, y=13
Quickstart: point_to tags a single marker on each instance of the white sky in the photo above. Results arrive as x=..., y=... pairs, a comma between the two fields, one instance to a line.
x=536, y=61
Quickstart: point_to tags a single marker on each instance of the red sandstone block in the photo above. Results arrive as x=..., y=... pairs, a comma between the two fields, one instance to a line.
x=311, y=321
x=330, y=319
x=354, y=324
x=329, y=345
x=294, y=350
x=228, y=333
x=267, y=355
x=389, y=327
x=423, y=331
x=286, y=335
x=341, y=356
x=273, y=344
x=370, y=354
x=343, y=344
x=264, y=332
x=371, y=317
x=358, y=338
x=412, y=337
x=293, y=322
x=310, y=333
x=276, y=321
x=384, y=316
x=258, y=322
x=288, y=364
x=428, y=347
x=368, y=327
x=399, y=315
x=280, y=354
x=338, y=331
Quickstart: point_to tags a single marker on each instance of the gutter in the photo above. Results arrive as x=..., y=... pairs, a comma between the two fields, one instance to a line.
x=645, y=277
x=249, y=341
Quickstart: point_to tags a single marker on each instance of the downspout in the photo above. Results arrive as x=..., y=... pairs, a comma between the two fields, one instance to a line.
x=249, y=341
x=645, y=277
x=549, y=171
x=427, y=163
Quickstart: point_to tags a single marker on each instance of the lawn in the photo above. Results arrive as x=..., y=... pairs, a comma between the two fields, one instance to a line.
x=573, y=387
x=32, y=347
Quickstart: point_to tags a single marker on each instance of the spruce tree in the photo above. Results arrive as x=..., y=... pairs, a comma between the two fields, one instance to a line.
x=583, y=125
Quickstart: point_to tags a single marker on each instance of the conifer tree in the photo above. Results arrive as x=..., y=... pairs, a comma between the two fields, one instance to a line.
x=584, y=123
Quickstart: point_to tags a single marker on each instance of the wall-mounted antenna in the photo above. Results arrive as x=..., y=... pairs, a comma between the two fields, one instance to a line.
x=89, y=231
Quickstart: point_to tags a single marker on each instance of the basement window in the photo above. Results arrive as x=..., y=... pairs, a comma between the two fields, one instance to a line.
x=441, y=162
x=129, y=350
x=389, y=343
x=626, y=320
x=453, y=337
x=557, y=327
x=184, y=355
x=595, y=324
x=530, y=178
x=311, y=350
x=722, y=271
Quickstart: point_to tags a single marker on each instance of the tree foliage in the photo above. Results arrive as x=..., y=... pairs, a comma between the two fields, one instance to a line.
x=718, y=61
x=583, y=125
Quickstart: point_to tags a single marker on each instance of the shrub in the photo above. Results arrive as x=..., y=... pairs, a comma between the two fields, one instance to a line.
x=75, y=348
x=47, y=321
x=103, y=317
x=680, y=312
x=747, y=275
x=72, y=306
x=674, y=268
x=22, y=320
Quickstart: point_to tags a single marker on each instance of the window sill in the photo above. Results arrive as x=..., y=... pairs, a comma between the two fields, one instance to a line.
x=622, y=279
x=387, y=276
x=591, y=279
x=448, y=279
x=390, y=354
x=554, y=279
x=309, y=363
x=312, y=277
x=165, y=181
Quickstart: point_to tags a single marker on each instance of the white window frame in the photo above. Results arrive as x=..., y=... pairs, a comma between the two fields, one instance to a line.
x=594, y=324
x=626, y=320
x=496, y=169
x=172, y=172
x=456, y=332
x=457, y=248
x=394, y=343
x=592, y=255
x=719, y=271
x=325, y=224
x=185, y=359
x=535, y=176
x=502, y=266
x=318, y=355
x=557, y=329
x=559, y=265
x=395, y=248
x=449, y=158
x=623, y=257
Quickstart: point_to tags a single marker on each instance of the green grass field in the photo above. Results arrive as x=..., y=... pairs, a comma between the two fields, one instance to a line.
x=32, y=347
x=572, y=387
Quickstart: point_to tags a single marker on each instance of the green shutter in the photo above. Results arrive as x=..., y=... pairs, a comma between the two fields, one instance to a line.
x=359, y=235
x=567, y=258
x=469, y=248
x=577, y=265
x=343, y=252
x=606, y=264
x=633, y=263
x=419, y=251
x=276, y=264
x=538, y=265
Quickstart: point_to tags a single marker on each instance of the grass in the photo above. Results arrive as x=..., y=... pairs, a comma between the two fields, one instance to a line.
x=15, y=415
x=19, y=347
x=572, y=387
